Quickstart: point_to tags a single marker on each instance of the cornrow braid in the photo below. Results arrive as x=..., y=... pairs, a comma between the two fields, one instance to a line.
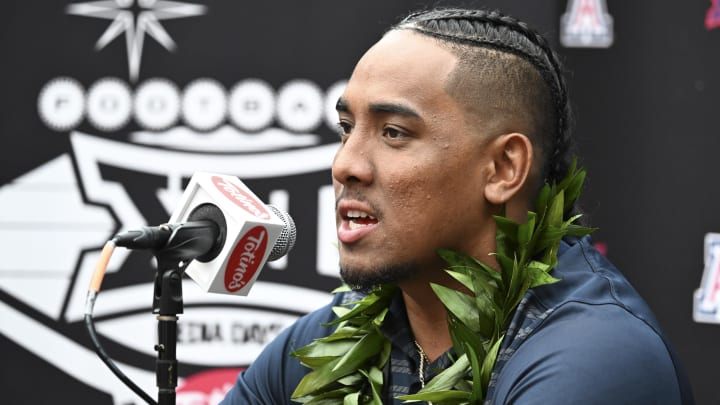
x=495, y=30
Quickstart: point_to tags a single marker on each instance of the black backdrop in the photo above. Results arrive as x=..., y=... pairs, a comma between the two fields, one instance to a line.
x=645, y=111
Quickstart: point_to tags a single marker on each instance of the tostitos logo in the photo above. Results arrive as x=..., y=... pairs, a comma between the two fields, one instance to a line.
x=240, y=197
x=245, y=259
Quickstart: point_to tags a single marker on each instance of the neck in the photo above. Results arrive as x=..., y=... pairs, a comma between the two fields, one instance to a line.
x=427, y=316
x=426, y=313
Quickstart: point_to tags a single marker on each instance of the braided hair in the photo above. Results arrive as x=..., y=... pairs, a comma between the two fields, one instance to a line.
x=472, y=31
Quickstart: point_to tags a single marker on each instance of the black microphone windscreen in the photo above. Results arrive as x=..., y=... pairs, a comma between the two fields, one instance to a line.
x=210, y=212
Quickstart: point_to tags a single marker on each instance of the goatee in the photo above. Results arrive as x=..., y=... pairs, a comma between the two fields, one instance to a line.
x=366, y=279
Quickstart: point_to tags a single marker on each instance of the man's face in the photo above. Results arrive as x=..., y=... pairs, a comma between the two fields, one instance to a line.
x=409, y=176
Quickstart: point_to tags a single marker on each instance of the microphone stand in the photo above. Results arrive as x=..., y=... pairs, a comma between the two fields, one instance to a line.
x=167, y=303
x=184, y=244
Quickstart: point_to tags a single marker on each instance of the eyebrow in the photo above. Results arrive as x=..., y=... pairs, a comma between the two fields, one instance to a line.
x=380, y=108
x=341, y=105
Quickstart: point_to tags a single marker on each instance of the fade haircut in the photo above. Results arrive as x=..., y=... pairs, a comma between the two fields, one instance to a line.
x=507, y=77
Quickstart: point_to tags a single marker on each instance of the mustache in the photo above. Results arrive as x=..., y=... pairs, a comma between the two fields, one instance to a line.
x=356, y=195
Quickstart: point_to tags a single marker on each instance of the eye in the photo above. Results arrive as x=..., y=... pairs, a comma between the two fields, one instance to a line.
x=344, y=127
x=393, y=133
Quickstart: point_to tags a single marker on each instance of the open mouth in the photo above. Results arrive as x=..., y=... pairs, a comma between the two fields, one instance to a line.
x=355, y=224
x=358, y=219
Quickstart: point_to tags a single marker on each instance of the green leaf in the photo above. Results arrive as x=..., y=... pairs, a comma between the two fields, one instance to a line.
x=505, y=225
x=488, y=273
x=572, y=193
x=506, y=264
x=542, y=199
x=487, y=310
x=375, y=376
x=351, y=379
x=369, y=345
x=515, y=285
x=352, y=399
x=340, y=311
x=539, y=277
x=315, y=380
x=505, y=242
x=384, y=354
x=572, y=171
x=380, y=317
x=343, y=332
x=555, y=214
x=342, y=288
x=443, y=381
x=317, y=349
x=460, y=333
x=579, y=231
x=489, y=362
x=455, y=258
x=370, y=305
x=463, y=278
x=315, y=362
x=459, y=304
x=445, y=396
x=525, y=230
x=468, y=265
x=551, y=236
x=332, y=397
x=477, y=387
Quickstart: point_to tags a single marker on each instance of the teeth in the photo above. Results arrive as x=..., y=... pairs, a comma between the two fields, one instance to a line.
x=359, y=214
x=354, y=225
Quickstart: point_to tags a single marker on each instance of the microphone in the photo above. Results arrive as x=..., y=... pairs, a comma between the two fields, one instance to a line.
x=225, y=228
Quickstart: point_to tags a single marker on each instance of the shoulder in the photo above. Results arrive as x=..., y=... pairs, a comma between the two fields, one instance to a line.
x=586, y=355
x=589, y=337
x=587, y=277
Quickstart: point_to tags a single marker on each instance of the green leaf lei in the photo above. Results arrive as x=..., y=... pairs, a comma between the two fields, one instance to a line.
x=347, y=365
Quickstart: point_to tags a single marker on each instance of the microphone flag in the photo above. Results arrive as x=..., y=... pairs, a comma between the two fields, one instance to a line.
x=250, y=226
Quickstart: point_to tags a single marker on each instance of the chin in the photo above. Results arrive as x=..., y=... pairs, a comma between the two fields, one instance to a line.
x=364, y=279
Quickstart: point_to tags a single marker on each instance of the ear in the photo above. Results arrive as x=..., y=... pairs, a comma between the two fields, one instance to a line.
x=512, y=158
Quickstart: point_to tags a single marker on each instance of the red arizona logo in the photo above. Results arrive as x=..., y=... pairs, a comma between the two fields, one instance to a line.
x=712, y=17
x=240, y=197
x=245, y=259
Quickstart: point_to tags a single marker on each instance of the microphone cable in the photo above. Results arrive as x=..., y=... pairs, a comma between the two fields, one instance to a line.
x=93, y=292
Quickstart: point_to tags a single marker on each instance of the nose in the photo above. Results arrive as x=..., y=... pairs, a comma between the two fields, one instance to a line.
x=353, y=161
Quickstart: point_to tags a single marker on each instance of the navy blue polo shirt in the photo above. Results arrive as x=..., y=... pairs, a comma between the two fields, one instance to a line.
x=587, y=339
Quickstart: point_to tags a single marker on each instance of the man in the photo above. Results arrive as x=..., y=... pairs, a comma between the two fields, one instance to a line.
x=455, y=116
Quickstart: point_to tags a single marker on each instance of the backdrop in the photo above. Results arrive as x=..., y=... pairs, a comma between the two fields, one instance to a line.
x=108, y=108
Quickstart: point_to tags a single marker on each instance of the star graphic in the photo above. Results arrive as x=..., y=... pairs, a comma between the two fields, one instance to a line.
x=135, y=27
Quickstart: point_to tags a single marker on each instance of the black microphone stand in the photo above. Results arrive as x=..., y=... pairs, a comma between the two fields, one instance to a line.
x=184, y=245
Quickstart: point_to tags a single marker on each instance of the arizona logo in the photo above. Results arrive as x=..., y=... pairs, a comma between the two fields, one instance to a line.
x=586, y=24
x=712, y=17
x=707, y=297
